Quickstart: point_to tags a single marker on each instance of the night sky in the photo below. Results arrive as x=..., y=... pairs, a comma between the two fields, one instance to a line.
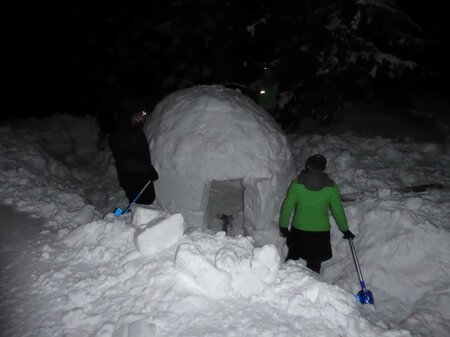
x=72, y=56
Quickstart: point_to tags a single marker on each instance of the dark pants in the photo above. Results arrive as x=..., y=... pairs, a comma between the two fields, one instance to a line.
x=314, y=265
x=313, y=247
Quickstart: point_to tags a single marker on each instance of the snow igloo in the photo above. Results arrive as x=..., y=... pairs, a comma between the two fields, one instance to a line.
x=217, y=152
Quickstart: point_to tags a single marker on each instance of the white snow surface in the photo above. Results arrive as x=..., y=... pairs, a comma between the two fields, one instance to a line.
x=207, y=133
x=158, y=234
x=70, y=268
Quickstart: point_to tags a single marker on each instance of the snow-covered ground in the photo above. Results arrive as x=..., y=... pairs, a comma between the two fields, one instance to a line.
x=70, y=268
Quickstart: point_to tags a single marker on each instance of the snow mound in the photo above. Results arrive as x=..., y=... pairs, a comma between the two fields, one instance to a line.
x=210, y=133
x=100, y=240
x=222, y=267
x=39, y=173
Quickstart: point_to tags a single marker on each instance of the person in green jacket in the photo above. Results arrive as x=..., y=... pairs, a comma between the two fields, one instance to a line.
x=310, y=196
x=266, y=90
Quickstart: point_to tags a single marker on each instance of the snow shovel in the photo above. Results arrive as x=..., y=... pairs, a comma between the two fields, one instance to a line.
x=364, y=296
x=118, y=211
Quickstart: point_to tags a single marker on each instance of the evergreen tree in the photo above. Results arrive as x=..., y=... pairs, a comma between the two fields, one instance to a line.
x=323, y=51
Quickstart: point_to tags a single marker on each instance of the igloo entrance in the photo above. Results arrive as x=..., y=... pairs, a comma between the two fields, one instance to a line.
x=226, y=197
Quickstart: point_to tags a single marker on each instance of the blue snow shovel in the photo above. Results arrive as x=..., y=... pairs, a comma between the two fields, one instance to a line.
x=364, y=296
x=118, y=211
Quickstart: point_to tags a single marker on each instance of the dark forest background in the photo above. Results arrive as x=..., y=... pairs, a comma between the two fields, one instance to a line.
x=86, y=57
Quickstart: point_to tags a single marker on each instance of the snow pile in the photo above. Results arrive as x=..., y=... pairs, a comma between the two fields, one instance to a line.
x=39, y=173
x=221, y=267
x=98, y=284
x=210, y=133
x=100, y=241
x=112, y=289
x=36, y=182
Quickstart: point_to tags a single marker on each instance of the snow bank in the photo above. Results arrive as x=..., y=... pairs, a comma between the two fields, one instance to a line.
x=35, y=180
x=103, y=286
x=101, y=240
x=207, y=133
x=112, y=290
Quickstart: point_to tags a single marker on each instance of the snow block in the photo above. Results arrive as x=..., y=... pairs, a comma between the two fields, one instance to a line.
x=226, y=259
x=138, y=328
x=143, y=216
x=160, y=235
x=203, y=274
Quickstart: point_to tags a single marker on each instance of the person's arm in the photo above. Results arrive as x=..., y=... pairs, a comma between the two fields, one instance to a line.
x=337, y=210
x=288, y=206
x=131, y=164
x=153, y=174
x=137, y=158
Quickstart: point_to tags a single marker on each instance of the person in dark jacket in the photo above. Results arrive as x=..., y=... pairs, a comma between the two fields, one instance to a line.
x=310, y=196
x=131, y=153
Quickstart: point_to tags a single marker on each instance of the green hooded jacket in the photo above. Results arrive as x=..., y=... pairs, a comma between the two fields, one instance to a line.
x=267, y=94
x=310, y=196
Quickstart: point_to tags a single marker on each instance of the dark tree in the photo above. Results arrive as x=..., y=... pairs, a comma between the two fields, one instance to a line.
x=322, y=51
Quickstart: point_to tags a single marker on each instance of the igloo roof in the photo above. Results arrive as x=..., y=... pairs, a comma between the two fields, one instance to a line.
x=210, y=132
x=207, y=133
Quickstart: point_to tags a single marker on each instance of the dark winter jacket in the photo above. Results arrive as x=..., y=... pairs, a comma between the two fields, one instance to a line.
x=311, y=195
x=131, y=153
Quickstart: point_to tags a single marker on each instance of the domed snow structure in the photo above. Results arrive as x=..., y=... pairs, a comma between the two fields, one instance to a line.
x=217, y=152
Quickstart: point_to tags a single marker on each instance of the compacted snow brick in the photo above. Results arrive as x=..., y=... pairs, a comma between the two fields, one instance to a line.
x=205, y=137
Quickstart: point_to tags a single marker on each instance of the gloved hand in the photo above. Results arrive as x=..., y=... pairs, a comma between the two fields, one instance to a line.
x=284, y=232
x=348, y=235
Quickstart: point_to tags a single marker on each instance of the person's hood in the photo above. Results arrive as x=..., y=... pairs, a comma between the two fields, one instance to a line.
x=314, y=180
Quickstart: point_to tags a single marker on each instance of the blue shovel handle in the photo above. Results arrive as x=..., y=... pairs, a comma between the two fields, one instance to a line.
x=118, y=211
x=364, y=296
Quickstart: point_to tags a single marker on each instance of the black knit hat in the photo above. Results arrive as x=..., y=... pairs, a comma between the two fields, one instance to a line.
x=316, y=162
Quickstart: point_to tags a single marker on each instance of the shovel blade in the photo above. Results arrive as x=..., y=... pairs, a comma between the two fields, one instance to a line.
x=365, y=297
x=117, y=212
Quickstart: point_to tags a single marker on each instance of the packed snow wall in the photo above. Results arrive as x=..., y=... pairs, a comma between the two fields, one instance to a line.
x=210, y=133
